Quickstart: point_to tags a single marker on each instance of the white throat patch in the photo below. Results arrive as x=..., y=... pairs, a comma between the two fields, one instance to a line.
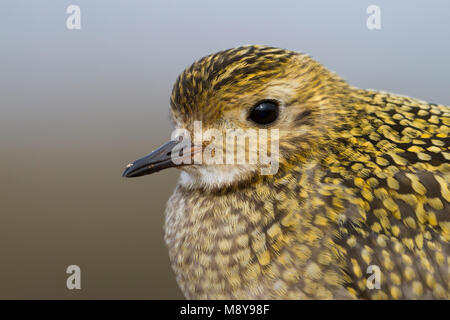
x=211, y=177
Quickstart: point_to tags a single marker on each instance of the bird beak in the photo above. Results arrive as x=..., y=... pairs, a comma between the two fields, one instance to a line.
x=158, y=160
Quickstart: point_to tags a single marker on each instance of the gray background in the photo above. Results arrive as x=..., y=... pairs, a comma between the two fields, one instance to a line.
x=77, y=106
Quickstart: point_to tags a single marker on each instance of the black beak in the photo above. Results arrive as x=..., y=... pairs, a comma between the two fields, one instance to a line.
x=158, y=160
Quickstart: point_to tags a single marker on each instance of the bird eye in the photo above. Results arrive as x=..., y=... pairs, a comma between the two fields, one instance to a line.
x=264, y=112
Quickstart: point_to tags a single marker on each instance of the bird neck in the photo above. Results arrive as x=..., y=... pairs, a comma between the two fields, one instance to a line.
x=233, y=242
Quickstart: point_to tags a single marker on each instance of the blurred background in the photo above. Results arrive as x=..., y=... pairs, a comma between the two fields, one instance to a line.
x=77, y=105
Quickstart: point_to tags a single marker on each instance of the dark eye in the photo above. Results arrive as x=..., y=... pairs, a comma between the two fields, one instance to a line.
x=264, y=112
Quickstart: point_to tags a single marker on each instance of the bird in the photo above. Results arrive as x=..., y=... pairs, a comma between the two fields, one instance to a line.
x=358, y=208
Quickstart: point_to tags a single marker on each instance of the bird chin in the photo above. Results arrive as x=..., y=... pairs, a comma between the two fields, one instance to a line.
x=214, y=176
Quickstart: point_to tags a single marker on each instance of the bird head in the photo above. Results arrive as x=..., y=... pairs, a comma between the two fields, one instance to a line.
x=285, y=100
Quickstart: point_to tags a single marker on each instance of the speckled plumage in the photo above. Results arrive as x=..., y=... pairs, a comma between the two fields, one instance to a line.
x=363, y=180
